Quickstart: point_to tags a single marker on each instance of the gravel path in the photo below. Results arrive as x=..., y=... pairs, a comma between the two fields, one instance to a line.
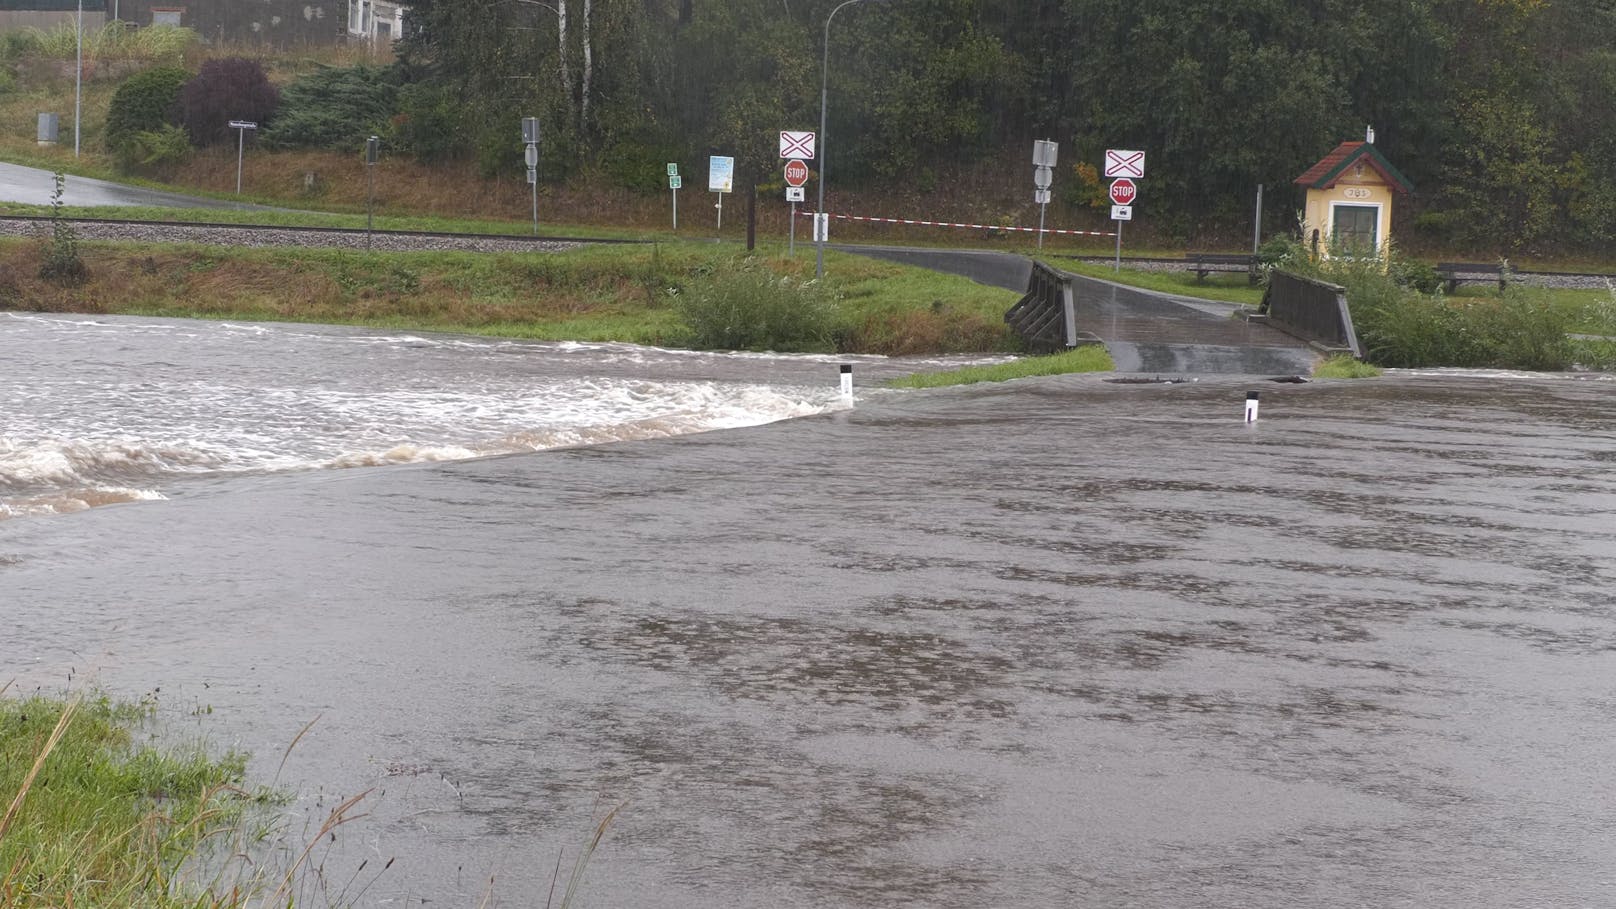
x=225, y=235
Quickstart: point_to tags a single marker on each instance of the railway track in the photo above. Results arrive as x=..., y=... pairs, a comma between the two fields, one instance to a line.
x=275, y=235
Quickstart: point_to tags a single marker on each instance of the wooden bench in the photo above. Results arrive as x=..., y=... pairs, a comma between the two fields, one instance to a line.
x=1456, y=273
x=1204, y=264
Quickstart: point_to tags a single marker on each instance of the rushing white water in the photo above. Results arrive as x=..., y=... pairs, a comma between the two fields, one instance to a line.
x=104, y=410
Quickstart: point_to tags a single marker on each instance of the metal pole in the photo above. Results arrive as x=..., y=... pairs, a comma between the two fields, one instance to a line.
x=791, y=244
x=824, y=84
x=1041, y=208
x=241, y=145
x=78, y=81
x=535, y=208
x=1256, y=225
x=676, y=209
x=370, y=201
x=1118, y=265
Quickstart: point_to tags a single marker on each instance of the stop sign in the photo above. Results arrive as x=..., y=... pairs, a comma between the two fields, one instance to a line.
x=796, y=173
x=1123, y=191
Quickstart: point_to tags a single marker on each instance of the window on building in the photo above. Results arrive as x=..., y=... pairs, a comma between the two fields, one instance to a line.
x=167, y=15
x=1355, y=226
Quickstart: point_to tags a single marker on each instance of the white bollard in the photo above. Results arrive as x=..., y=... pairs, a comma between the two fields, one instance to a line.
x=1251, y=407
x=847, y=384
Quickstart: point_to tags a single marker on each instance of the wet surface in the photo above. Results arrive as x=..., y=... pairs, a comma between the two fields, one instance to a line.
x=33, y=186
x=1053, y=642
x=1144, y=331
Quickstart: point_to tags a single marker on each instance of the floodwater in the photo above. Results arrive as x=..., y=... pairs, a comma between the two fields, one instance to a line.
x=1057, y=642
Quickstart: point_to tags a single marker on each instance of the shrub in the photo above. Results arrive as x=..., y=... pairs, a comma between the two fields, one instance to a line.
x=334, y=108
x=159, y=149
x=428, y=123
x=754, y=309
x=61, y=262
x=142, y=103
x=229, y=88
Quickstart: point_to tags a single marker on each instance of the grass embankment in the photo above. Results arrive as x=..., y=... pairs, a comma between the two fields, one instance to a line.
x=96, y=821
x=1224, y=287
x=609, y=293
x=1088, y=358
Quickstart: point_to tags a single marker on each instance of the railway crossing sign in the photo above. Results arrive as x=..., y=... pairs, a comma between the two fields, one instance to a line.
x=1121, y=162
x=796, y=145
x=796, y=172
x=1124, y=191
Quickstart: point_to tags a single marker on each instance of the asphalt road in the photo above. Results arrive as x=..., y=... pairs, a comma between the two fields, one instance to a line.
x=34, y=186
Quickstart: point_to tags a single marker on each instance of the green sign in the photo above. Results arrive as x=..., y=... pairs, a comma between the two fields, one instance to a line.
x=673, y=170
x=675, y=181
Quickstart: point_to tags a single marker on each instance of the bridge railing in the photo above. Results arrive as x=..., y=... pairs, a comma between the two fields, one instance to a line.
x=1045, y=317
x=1312, y=310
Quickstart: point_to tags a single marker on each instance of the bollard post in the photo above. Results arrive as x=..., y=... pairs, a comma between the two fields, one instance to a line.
x=1251, y=407
x=847, y=384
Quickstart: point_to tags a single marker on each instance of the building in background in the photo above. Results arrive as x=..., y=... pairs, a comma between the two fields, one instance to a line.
x=273, y=23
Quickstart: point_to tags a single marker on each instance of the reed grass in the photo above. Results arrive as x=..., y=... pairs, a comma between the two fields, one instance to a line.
x=1342, y=366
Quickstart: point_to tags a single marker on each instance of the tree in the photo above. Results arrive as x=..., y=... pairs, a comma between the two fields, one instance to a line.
x=229, y=88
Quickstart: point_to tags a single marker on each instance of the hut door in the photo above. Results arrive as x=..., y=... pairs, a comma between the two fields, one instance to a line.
x=1355, y=226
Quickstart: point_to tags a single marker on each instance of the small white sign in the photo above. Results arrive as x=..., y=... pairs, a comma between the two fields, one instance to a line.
x=1122, y=162
x=1040, y=196
x=821, y=228
x=720, y=174
x=794, y=194
x=796, y=145
x=1122, y=212
x=243, y=124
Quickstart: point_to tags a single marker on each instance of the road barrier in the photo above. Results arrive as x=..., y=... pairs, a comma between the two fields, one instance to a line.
x=922, y=223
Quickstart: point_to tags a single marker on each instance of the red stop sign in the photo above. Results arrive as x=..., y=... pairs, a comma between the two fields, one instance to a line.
x=796, y=173
x=1123, y=192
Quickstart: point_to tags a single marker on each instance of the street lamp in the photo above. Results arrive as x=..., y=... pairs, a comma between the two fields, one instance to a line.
x=78, y=79
x=824, y=83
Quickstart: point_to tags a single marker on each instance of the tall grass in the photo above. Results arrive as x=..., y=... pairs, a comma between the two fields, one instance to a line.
x=1398, y=326
x=753, y=308
x=97, y=821
x=1088, y=358
x=115, y=41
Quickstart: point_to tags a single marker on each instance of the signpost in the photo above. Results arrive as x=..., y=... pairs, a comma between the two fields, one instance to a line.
x=797, y=145
x=530, y=135
x=1123, y=194
x=1044, y=153
x=241, y=127
x=796, y=174
x=721, y=180
x=1122, y=162
x=674, y=182
x=373, y=151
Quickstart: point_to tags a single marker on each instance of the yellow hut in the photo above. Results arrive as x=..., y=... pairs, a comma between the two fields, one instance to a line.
x=1349, y=199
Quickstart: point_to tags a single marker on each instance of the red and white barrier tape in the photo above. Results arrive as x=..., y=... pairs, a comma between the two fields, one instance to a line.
x=1030, y=230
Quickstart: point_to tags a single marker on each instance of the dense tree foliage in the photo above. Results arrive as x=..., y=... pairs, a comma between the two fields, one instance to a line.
x=224, y=89
x=1499, y=111
x=334, y=108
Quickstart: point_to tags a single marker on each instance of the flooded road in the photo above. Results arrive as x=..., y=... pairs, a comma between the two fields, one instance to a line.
x=1054, y=642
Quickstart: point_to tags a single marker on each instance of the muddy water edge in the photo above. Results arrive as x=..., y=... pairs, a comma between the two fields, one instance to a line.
x=1055, y=642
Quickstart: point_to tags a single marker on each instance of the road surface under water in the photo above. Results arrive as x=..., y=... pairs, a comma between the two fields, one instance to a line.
x=1051, y=642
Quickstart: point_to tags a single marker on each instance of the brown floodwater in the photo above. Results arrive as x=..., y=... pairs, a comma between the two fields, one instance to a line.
x=1046, y=643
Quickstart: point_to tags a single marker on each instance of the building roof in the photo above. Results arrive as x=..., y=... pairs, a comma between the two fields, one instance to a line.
x=1328, y=172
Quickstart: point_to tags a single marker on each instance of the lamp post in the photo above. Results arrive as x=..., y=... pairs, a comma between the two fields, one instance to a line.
x=824, y=84
x=78, y=80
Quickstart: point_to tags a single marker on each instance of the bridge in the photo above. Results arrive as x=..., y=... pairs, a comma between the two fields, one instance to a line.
x=1144, y=331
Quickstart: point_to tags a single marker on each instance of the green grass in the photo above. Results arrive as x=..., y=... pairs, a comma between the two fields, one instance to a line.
x=1227, y=288
x=1088, y=358
x=1342, y=366
x=98, y=821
